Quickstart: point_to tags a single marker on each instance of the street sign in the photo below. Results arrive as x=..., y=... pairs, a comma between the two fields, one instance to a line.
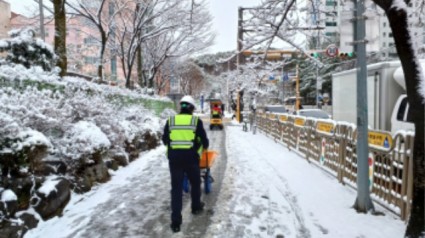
x=202, y=103
x=283, y=118
x=299, y=121
x=325, y=127
x=285, y=77
x=380, y=139
x=332, y=50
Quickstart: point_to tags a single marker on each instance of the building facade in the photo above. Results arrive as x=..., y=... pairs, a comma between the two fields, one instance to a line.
x=336, y=16
x=5, y=15
x=82, y=38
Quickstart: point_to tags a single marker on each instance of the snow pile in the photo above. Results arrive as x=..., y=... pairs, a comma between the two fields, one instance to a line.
x=8, y=195
x=49, y=185
x=85, y=138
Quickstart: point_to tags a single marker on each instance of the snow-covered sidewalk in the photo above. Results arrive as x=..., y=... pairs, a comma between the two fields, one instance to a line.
x=277, y=192
x=266, y=191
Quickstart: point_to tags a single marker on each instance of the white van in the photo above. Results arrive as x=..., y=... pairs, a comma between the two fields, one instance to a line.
x=400, y=119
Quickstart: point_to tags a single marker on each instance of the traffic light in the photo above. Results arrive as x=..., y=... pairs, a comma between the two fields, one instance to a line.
x=346, y=55
x=315, y=54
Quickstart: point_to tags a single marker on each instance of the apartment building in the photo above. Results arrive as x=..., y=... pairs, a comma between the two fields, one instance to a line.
x=82, y=42
x=5, y=15
x=336, y=18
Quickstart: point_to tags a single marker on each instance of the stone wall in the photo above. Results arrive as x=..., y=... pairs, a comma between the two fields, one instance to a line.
x=67, y=177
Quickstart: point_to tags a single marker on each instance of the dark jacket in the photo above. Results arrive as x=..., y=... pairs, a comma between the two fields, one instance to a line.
x=186, y=156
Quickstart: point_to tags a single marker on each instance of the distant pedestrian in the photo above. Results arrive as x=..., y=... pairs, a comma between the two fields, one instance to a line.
x=185, y=138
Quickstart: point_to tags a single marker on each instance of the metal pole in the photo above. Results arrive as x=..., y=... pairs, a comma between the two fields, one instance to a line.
x=240, y=37
x=317, y=15
x=42, y=32
x=238, y=108
x=297, y=92
x=363, y=202
x=317, y=87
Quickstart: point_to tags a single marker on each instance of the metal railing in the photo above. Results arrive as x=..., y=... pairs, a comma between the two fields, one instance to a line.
x=332, y=146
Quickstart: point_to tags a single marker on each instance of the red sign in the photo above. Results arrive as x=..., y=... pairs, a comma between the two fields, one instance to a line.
x=332, y=51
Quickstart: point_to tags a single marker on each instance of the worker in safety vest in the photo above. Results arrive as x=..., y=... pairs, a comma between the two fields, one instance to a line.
x=216, y=111
x=185, y=138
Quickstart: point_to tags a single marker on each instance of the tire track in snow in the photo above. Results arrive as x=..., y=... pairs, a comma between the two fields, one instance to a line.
x=197, y=226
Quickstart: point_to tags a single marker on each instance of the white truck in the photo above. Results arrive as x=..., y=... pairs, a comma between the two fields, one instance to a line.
x=386, y=97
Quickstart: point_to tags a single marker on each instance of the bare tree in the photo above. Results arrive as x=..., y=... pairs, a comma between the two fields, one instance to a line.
x=101, y=14
x=192, y=78
x=60, y=34
x=164, y=30
x=397, y=13
x=136, y=24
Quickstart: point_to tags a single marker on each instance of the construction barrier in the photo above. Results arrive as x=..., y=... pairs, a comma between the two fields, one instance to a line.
x=331, y=145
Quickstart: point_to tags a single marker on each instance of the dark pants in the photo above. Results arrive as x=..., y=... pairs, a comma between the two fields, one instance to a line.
x=177, y=171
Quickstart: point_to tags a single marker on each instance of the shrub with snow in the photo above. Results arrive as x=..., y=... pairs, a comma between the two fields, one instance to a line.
x=84, y=138
x=59, y=109
x=23, y=48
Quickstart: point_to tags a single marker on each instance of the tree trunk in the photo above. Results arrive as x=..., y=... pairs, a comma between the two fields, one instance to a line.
x=60, y=35
x=140, y=67
x=398, y=20
x=104, y=39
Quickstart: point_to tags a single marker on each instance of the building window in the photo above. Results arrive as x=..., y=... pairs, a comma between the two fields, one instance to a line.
x=390, y=34
x=330, y=3
x=111, y=8
x=384, y=44
x=330, y=33
x=330, y=23
x=393, y=55
x=90, y=40
x=90, y=60
x=385, y=24
x=385, y=34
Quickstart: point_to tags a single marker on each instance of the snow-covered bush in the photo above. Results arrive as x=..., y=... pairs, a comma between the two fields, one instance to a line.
x=84, y=138
x=16, y=145
x=23, y=48
x=55, y=108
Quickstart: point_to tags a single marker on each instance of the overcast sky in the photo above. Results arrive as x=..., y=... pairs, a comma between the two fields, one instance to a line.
x=224, y=12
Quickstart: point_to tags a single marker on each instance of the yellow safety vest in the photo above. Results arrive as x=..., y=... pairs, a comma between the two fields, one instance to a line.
x=182, y=131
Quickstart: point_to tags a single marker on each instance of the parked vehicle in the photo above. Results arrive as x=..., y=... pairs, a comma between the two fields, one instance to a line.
x=290, y=103
x=315, y=113
x=216, y=117
x=386, y=94
x=275, y=109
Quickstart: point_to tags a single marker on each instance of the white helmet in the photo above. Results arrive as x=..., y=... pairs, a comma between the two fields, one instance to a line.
x=188, y=99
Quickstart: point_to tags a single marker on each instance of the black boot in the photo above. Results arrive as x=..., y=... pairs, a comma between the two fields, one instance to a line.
x=175, y=227
x=196, y=211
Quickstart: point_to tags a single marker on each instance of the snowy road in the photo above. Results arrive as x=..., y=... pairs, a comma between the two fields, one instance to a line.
x=261, y=190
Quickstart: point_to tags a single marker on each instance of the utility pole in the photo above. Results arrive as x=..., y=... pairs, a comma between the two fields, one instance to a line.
x=318, y=78
x=363, y=201
x=297, y=92
x=240, y=57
